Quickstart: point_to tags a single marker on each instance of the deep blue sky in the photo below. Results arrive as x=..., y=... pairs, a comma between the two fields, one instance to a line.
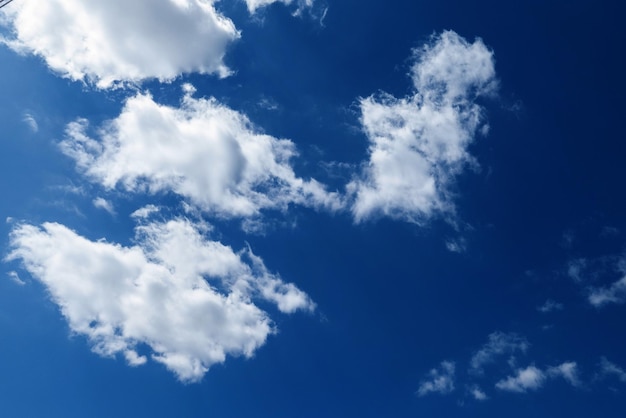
x=539, y=219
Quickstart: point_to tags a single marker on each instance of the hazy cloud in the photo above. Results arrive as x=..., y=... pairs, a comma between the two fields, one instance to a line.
x=499, y=344
x=615, y=293
x=439, y=380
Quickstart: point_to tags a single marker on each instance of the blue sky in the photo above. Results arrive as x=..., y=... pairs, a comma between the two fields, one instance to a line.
x=311, y=208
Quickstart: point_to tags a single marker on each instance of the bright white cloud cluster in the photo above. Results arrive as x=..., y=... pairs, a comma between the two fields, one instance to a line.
x=532, y=378
x=189, y=299
x=203, y=151
x=439, y=380
x=419, y=143
x=113, y=41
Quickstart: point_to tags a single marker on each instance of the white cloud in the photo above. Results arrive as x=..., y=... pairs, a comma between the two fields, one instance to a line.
x=203, y=151
x=418, y=144
x=478, y=394
x=102, y=203
x=608, y=368
x=30, y=120
x=530, y=378
x=550, y=306
x=15, y=278
x=145, y=212
x=254, y=5
x=439, y=380
x=499, y=344
x=615, y=293
x=189, y=299
x=568, y=371
x=106, y=42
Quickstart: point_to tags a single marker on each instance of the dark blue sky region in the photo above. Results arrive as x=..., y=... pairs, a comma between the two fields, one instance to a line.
x=312, y=209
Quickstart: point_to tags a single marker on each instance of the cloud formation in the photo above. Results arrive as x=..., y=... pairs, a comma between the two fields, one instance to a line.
x=202, y=151
x=253, y=5
x=615, y=293
x=108, y=42
x=532, y=378
x=189, y=299
x=418, y=144
x=499, y=344
x=439, y=380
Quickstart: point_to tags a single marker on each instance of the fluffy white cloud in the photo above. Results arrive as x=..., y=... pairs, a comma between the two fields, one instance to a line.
x=615, y=293
x=530, y=378
x=418, y=144
x=498, y=345
x=189, y=299
x=122, y=41
x=203, y=151
x=439, y=380
x=253, y=5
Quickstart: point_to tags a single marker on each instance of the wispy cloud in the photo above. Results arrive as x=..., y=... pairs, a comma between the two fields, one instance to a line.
x=499, y=344
x=419, y=144
x=161, y=293
x=30, y=120
x=615, y=293
x=608, y=368
x=439, y=380
x=550, y=306
x=102, y=203
x=15, y=278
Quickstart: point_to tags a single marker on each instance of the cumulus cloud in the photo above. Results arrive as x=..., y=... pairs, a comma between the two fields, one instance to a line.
x=439, y=380
x=202, y=150
x=418, y=144
x=615, y=293
x=499, y=344
x=106, y=42
x=530, y=378
x=188, y=299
